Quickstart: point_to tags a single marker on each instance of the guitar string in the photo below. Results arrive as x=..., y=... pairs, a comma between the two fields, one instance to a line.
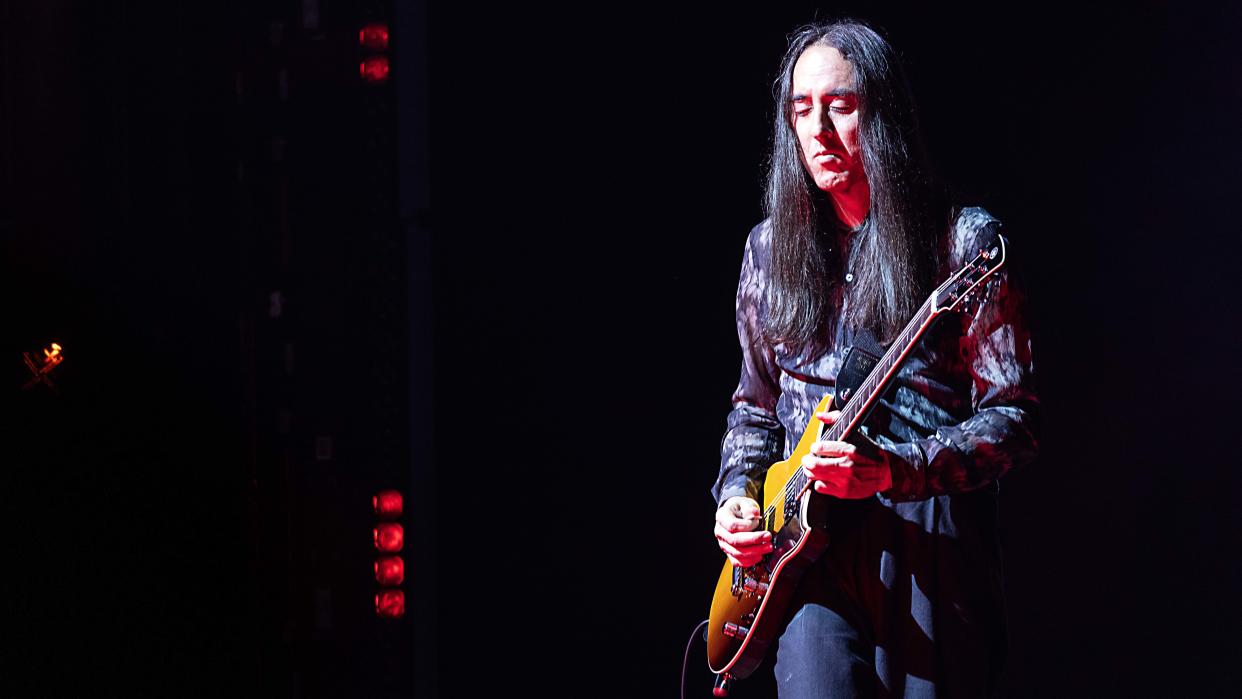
x=911, y=327
x=887, y=360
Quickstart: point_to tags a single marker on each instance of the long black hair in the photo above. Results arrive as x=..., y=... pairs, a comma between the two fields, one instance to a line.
x=892, y=256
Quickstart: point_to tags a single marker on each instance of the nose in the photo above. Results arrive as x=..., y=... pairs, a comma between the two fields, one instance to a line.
x=824, y=129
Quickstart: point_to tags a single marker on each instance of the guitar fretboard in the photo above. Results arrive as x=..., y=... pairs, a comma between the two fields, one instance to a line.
x=946, y=297
x=870, y=389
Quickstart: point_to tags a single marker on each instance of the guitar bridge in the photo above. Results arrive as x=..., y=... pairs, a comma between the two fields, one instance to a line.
x=749, y=585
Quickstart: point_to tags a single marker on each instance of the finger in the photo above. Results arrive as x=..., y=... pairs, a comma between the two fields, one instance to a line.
x=728, y=549
x=727, y=514
x=752, y=519
x=819, y=469
x=743, y=506
x=734, y=524
x=826, y=489
x=833, y=481
x=828, y=417
x=812, y=463
x=742, y=540
x=743, y=556
x=829, y=447
x=744, y=561
x=758, y=539
x=749, y=510
x=729, y=518
x=835, y=477
x=848, y=453
x=724, y=535
x=747, y=555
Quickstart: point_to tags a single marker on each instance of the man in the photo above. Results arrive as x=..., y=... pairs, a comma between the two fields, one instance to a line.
x=907, y=599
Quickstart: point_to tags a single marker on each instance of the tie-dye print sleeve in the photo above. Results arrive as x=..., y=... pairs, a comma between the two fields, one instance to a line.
x=1002, y=433
x=753, y=438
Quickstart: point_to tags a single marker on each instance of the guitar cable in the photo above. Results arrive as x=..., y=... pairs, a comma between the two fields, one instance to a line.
x=685, y=662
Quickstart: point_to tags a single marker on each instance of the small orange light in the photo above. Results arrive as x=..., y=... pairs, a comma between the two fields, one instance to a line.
x=374, y=69
x=41, y=367
x=374, y=37
x=52, y=356
x=390, y=604
x=387, y=504
x=389, y=537
x=389, y=570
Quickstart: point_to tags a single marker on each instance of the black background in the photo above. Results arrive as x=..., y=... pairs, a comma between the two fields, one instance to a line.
x=593, y=173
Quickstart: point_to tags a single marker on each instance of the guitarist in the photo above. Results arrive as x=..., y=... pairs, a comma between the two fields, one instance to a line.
x=906, y=601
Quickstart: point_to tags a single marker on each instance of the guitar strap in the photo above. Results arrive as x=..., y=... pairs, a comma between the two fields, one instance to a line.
x=859, y=360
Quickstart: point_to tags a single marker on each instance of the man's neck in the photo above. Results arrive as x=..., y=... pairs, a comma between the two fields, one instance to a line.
x=852, y=206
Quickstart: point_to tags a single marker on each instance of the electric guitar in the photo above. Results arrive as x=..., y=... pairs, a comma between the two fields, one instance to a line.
x=749, y=604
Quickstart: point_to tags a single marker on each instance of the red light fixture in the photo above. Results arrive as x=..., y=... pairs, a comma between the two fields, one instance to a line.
x=390, y=604
x=389, y=537
x=374, y=37
x=389, y=571
x=387, y=504
x=374, y=69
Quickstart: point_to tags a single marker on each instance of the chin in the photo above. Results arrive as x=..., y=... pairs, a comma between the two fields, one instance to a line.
x=833, y=184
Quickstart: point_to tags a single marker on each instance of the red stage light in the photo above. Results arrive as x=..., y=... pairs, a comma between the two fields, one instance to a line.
x=374, y=37
x=389, y=570
x=389, y=537
x=374, y=69
x=387, y=504
x=390, y=604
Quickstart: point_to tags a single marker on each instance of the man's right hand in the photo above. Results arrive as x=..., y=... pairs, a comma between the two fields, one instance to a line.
x=736, y=523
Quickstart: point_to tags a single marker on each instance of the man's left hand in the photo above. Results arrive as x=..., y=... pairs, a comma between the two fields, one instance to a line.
x=845, y=470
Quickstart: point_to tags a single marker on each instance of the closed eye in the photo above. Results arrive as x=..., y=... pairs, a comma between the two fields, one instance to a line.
x=843, y=106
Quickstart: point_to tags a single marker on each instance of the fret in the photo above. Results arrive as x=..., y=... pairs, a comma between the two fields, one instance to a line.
x=946, y=297
x=873, y=384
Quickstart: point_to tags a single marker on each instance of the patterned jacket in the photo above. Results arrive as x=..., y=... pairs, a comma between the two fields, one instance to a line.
x=961, y=411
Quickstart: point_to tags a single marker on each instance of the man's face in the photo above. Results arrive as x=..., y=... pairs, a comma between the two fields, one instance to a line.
x=824, y=114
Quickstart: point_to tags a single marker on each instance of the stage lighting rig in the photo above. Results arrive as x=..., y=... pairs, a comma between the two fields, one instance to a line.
x=41, y=367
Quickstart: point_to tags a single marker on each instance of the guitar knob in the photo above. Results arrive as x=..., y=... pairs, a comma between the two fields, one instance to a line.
x=735, y=630
x=755, y=587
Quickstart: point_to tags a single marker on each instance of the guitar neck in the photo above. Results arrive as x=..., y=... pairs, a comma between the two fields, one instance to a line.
x=867, y=393
x=959, y=289
x=870, y=390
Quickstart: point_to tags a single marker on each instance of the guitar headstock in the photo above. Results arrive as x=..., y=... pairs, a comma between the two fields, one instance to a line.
x=964, y=287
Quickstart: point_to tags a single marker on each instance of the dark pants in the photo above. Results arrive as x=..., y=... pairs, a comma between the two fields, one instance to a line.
x=890, y=611
x=822, y=656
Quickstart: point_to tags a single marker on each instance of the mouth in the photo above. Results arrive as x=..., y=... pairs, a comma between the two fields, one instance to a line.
x=829, y=157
